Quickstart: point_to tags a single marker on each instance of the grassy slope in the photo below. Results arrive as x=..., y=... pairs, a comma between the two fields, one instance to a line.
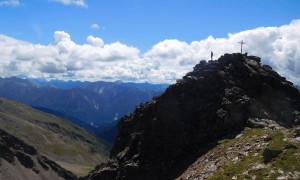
x=69, y=145
x=285, y=165
x=243, y=157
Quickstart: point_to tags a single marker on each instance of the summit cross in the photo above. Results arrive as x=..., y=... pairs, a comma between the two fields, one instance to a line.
x=242, y=43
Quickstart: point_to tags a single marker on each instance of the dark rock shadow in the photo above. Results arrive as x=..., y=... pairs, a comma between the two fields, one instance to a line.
x=182, y=165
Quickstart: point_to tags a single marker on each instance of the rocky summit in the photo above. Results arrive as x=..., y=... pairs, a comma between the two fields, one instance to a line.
x=217, y=100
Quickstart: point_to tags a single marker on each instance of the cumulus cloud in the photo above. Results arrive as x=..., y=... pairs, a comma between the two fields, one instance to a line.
x=13, y=3
x=66, y=59
x=95, y=41
x=95, y=26
x=164, y=62
x=277, y=46
x=80, y=3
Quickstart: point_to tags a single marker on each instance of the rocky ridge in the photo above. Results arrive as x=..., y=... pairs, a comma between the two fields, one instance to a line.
x=162, y=138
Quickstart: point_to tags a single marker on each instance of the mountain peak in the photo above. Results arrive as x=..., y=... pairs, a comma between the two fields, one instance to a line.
x=218, y=98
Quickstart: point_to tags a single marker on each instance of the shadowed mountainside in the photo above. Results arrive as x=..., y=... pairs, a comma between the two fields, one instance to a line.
x=21, y=161
x=56, y=138
x=218, y=99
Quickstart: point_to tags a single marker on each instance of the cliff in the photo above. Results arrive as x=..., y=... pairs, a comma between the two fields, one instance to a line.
x=217, y=100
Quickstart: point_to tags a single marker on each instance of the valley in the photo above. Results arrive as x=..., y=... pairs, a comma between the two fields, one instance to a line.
x=69, y=145
x=92, y=105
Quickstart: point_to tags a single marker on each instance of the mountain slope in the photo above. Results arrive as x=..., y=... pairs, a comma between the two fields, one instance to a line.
x=253, y=154
x=68, y=145
x=161, y=138
x=92, y=105
x=21, y=161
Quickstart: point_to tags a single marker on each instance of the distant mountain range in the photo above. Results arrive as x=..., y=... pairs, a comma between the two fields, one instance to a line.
x=60, y=84
x=93, y=105
x=81, y=84
x=70, y=146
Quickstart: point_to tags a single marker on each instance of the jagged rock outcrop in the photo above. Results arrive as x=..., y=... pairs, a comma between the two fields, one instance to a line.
x=216, y=99
x=21, y=161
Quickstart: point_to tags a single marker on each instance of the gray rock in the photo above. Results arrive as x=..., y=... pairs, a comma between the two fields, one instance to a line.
x=270, y=154
x=297, y=132
x=215, y=100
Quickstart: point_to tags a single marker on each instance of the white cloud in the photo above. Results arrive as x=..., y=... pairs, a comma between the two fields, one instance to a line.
x=95, y=26
x=80, y=3
x=13, y=3
x=95, y=41
x=164, y=62
x=66, y=59
x=277, y=46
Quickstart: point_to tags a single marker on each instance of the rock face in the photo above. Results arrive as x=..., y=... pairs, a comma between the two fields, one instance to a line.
x=216, y=99
x=21, y=161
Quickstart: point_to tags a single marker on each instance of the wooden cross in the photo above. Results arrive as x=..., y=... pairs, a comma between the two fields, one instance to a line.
x=242, y=42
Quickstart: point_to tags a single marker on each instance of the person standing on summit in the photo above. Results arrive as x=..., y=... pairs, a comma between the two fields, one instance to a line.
x=211, y=55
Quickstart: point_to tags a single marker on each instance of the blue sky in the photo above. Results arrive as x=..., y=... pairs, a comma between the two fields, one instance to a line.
x=143, y=23
x=143, y=40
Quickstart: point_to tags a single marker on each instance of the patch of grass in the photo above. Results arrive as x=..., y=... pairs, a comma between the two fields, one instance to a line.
x=289, y=160
x=253, y=132
x=253, y=166
x=277, y=141
x=246, y=162
x=238, y=169
x=248, y=132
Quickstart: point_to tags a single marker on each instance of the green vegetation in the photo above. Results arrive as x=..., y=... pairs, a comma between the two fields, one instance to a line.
x=285, y=163
x=55, y=138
